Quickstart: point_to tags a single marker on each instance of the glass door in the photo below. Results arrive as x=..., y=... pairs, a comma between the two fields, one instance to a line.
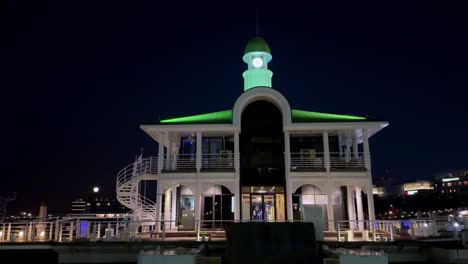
x=256, y=207
x=269, y=205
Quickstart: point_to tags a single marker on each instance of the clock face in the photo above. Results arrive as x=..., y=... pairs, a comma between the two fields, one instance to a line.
x=257, y=62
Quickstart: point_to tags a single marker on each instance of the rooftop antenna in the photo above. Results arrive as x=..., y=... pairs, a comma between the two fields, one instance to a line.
x=256, y=21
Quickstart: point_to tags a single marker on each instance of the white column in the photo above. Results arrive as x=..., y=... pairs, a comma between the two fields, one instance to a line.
x=158, y=205
x=199, y=151
x=287, y=157
x=167, y=208
x=340, y=143
x=236, y=152
x=161, y=143
x=326, y=150
x=355, y=146
x=173, y=207
x=237, y=180
x=365, y=145
x=168, y=163
x=347, y=147
x=330, y=212
x=360, y=212
x=174, y=155
x=351, y=211
x=198, y=203
x=370, y=203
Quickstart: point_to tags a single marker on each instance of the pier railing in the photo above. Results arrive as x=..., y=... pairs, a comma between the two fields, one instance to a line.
x=100, y=229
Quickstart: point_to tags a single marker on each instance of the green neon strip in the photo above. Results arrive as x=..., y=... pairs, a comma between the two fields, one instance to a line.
x=315, y=116
x=225, y=117
x=215, y=117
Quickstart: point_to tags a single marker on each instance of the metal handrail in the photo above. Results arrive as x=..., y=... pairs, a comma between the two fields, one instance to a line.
x=301, y=160
x=217, y=161
x=180, y=161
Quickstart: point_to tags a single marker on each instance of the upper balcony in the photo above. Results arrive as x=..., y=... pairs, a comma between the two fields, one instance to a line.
x=210, y=162
x=316, y=162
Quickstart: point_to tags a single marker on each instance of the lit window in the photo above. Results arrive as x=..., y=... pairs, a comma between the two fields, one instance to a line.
x=98, y=204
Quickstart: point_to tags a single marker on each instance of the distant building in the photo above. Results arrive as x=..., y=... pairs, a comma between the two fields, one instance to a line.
x=452, y=182
x=97, y=207
x=409, y=188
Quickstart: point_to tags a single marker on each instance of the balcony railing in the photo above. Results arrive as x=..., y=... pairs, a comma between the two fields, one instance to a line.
x=307, y=161
x=224, y=160
x=338, y=161
x=180, y=162
x=310, y=161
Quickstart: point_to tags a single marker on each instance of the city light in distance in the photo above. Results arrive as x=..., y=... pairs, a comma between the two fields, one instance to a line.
x=96, y=189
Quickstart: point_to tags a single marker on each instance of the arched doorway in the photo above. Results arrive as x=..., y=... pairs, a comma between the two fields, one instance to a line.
x=310, y=197
x=262, y=174
x=217, y=207
x=178, y=207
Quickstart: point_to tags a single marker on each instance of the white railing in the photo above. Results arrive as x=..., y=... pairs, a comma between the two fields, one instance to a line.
x=127, y=187
x=146, y=166
x=342, y=162
x=218, y=161
x=384, y=230
x=305, y=161
x=180, y=161
x=95, y=229
x=26, y=231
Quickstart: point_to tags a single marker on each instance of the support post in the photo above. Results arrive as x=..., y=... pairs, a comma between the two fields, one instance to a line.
x=351, y=211
x=370, y=203
x=237, y=171
x=330, y=213
x=158, y=206
x=287, y=153
x=161, y=152
x=360, y=212
x=173, y=207
x=326, y=150
x=365, y=146
x=199, y=151
x=167, y=208
x=355, y=146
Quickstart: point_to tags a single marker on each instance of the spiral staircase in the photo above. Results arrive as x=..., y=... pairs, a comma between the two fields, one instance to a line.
x=128, y=180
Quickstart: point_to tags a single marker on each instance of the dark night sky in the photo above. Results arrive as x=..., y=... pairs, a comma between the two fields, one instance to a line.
x=79, y=77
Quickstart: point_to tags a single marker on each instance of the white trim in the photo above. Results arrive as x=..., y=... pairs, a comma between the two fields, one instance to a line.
x=261, y=93
x=301, y=127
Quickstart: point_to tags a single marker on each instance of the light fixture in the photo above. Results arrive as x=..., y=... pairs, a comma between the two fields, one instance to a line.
x=21, y=234
x=257, y=62
x=42, y=234
x=96, y=189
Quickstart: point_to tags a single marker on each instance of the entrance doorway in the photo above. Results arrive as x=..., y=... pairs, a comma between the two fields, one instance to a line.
x=262, y=203
x=262, y=207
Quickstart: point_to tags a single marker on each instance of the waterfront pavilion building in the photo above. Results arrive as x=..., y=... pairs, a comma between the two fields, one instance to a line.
x=261, y=160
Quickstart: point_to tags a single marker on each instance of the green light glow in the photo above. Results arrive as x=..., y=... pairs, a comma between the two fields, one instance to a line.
x=304, y=116
x=225, y=117
x=257, y=78
x=215, y=117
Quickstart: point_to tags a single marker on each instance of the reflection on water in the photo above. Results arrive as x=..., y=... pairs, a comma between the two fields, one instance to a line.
x=173, y=251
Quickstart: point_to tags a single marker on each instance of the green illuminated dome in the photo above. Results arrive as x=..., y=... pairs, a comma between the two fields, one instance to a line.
x=257, y=44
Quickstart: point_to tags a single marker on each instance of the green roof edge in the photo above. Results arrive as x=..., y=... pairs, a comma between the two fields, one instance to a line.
x=225, y=117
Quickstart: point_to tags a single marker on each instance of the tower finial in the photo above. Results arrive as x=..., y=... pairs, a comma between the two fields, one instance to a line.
x=256, y=22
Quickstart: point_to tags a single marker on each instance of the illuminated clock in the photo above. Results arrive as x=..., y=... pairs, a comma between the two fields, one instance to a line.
x=257, y=62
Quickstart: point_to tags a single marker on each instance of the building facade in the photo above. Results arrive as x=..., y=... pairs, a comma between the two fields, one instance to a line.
x=262, y=160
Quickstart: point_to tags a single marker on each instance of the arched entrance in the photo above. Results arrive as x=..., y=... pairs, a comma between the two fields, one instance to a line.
x=262, y=174
x=309, y=201
x=178, y=207
x=217, y=207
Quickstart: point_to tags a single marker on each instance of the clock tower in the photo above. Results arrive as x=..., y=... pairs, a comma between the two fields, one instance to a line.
x=257, y=55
